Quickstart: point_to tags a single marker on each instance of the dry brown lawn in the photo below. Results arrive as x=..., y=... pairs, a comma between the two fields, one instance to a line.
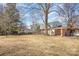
x=38, y=45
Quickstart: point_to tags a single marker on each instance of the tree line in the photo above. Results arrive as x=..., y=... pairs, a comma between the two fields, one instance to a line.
x=10, y=22
x=64, y=10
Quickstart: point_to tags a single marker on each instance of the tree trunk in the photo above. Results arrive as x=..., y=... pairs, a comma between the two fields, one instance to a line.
x=46, y=23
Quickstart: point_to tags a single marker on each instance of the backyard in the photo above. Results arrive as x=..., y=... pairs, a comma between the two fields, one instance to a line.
x=38, y=45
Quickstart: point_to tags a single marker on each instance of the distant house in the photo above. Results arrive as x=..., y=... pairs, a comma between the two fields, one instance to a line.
x=57, y=28
x=51, y=27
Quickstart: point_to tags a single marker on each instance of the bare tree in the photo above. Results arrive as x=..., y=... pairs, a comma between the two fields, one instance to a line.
x=35, y=22
x=44, y=9
x=68, y=12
